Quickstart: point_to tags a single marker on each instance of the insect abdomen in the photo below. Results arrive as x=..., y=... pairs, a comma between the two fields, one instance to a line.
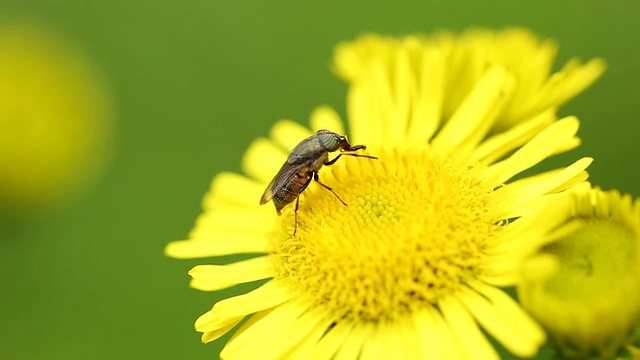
x=289, y=191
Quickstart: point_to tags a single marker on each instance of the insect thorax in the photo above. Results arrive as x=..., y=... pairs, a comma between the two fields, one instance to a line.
x=311, y=149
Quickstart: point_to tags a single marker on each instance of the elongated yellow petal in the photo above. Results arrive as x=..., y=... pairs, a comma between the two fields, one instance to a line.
x=427, y=336
x=526, y=233
x=287, y=134
x=265, y=342
x=209, y=336
x=216, y=277
x=476, y=346
x=329, y=344
x=263, y=159
x=403, y=340
x=325, y=117
x=376, y=346
x=352, y=345
x=499, y=145
x=233, y=189
x=302, y=329
x=228, y=243
x=254, y=319
x=564, y=85
x=500, y=327
x=509, y=309
x=527, y=189
x=428, y=104
x=383, y=108
x=402, y=89
x=434, y=335
x=309, y=346
x=472, y=113
x=536, y=150
x=229, y=310
x=232, y=219
x=365, y=126
x=502, y=278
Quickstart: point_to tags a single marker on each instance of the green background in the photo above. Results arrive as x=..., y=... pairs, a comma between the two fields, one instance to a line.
x=194, y=83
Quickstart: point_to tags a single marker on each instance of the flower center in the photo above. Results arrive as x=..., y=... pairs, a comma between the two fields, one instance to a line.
x=415, y=229
x=589, y=263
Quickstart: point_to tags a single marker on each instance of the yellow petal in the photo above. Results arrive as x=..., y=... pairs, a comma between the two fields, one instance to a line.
x=466, y=148
x=500, y=325
x=475, y=344
x=527, y=189
x=263, y=159
x=325, y=117
x=540, y=268
x=376, y=346
x=471, y=116
x=287, y=134
x=225, y=243
x=526, y=233
x=308, y=347
x=502, y=278
x=428, y=104
x=498, y=145
x=210, y=333
x=216, y=277
x=329, y=344
x=232, y=219
x=536, y=150
x=365, y=125
x=509, y=309
x=352, y=345
x=301, y=330
x=434, y=335
x=210, y=336
x=403, y=339
x=400, y=93
x=233, y=189
x=258, y=340
x=229, y=310
x=564, y=85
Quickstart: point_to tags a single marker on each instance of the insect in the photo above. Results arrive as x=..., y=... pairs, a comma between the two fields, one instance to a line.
x=302, y=165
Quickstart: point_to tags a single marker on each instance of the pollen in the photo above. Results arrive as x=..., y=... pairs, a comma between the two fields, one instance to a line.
x=415, y=229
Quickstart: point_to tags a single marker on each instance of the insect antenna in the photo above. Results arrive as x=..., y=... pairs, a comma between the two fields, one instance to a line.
x=327, y=163
x=361, y=155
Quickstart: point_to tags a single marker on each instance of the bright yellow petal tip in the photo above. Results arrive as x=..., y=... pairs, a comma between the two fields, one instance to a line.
x=590, y=304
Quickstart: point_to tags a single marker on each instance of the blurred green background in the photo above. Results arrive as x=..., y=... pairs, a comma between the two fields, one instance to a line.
x=193, y=83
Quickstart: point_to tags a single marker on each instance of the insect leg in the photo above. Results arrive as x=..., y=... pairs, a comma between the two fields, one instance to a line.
x=332, y=161
x=306, y=183
x=317, y=179
x=295, y=215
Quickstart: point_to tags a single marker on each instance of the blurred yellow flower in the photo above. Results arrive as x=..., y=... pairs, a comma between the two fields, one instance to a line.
x=412, y=267
x=590, y=304
x=54, y=118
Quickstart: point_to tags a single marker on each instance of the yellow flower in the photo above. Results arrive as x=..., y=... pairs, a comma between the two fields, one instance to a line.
x=590, y=304
x=413, y=265
x=54, y=118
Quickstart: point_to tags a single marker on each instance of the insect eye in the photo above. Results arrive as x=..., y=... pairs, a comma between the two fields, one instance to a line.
x=342, y=138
